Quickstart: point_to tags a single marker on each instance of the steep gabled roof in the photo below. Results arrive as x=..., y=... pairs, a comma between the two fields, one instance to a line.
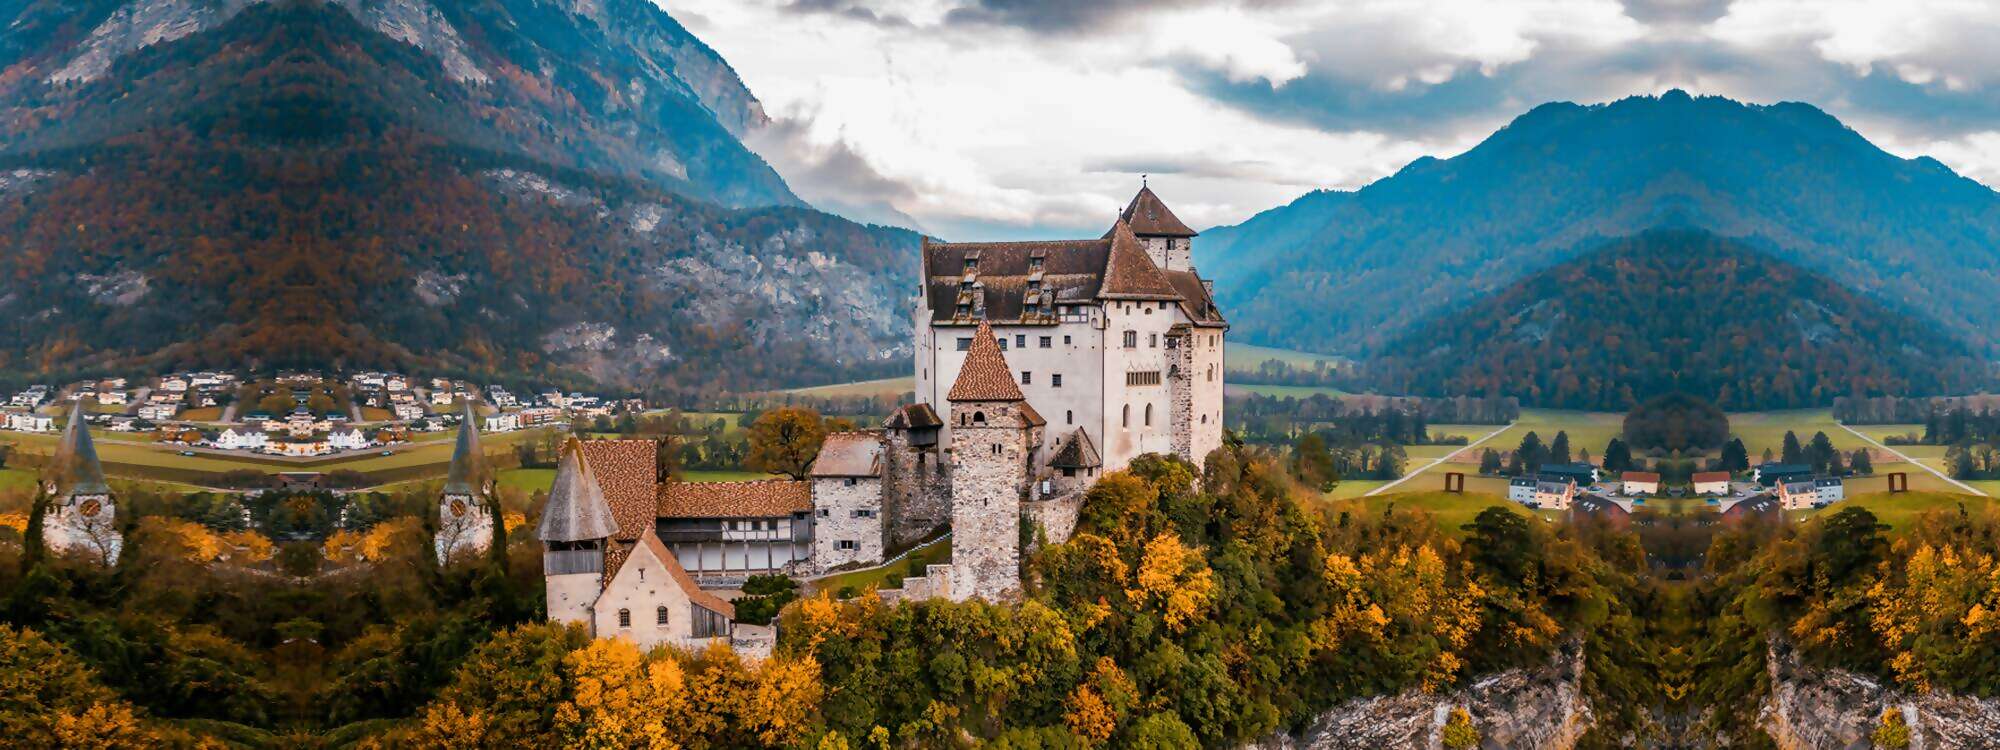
x=576, y=509
x=1130, y=273
x=464, y=476
x=1149, y=217
x=651, y=541
x=918, y=416
x=985, y=376
x=77, y=469
x=628, y=473
x=1076, y=452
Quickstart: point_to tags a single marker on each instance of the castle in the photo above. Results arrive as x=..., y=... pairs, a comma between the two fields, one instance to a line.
x=1039, y=366
x=82, y=517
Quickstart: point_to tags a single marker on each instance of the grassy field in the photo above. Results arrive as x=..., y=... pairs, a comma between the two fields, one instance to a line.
x=16, y=478
x=1588, y=430
x=1899, y=510
x=1450, y=510
x=204, y=414
x=1883, y=432
x=1470, y=431
x=1354, y=488
x=1766, y=430
x=526, y=480
x=1248, y=357
x=1280, y=391
x=893, y=387
x=935, y=553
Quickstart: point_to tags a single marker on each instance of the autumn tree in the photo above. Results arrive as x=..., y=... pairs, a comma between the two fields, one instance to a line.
x=785, y=441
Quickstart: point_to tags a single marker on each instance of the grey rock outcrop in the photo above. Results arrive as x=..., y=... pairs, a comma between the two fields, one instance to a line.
x=1812, y=708
x=1520, y=709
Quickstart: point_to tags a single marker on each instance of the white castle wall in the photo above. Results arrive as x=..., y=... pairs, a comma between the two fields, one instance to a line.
x=847, y=509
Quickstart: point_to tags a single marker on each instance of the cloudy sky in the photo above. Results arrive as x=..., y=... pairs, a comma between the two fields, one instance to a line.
x=986, y=119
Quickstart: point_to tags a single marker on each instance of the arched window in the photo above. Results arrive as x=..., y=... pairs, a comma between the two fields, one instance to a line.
x=624, y=618
x=1149, y=415
x=979, y=417
x=1069, y=417
x=1125, y=417
x=663, y=617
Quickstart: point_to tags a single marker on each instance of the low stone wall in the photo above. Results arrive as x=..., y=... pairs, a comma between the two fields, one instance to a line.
x=1811, y=708
x=1520, y=709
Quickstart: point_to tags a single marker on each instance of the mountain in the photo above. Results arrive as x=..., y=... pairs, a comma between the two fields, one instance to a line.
x=491, y=187
x=1350, y=272
x=1675, y=311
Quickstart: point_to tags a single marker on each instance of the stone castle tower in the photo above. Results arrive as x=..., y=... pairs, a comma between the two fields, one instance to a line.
x=577, y=526
x=465, y=524
x=995, y=436
x=81, y=517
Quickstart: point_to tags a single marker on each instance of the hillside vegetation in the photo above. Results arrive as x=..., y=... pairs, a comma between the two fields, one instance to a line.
x=1675, y=311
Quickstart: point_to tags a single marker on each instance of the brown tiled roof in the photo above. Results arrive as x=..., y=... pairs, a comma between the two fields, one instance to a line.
x=1149, y=216
x=1076, y=452
x=849, y=454
x=1196, y=302
x=914, y=417
x=985, y=376
x=768, y=498
x=1639, y=476
x=1130, y=273
x=1033, y=417
x=576, y=509
x=1071, y=272
x=680, y=575
x=626, y=470
x=1701, y=477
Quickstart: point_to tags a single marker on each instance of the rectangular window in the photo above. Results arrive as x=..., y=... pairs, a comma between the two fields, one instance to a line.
x=964, y=343
x=1065, y=341
x=1002, y=341
x=825, y=513
x=1021, y=340
x=1027, y=378
x=864, y=513
x=846, y=544
x=1055, y=381
x=1150, y=377
x=1131, y=339
x=1152, y=341
x=1047, y=342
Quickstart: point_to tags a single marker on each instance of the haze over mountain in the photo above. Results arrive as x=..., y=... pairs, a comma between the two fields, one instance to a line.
x=1675, y=311
x=1351, y=272
x=491, y=186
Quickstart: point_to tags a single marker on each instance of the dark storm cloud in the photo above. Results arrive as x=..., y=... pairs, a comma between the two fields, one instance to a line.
x=851, y=9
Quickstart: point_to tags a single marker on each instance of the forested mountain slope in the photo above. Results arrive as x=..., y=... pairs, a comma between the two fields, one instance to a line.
x=285, y=184
x=1347, y=272
x=1676, y=311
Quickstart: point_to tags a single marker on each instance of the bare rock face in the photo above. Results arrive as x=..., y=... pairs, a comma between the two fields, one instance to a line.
x=1520, y=709
x=1810, y=708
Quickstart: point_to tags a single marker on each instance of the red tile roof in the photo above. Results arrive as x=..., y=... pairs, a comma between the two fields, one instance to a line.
x=1130, y=273
x=1704, y=477
x=1638, y=476
x=985, y=376
x=769, y=498
x=680, y=575
x=849, y=454
x=626, y=471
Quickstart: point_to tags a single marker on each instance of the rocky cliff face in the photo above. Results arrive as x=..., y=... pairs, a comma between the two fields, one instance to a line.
x=1520, y=709
x=1830, y=709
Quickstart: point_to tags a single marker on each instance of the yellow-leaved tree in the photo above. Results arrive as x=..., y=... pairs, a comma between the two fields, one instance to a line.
x=1175, y=580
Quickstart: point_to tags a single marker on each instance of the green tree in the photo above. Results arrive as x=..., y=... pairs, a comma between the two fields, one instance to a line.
x=785, y=441
x=1861, y=463
x=1617, y=457
x=1533, y=454
x=1819, y=452
x=1312, y=463
x=1793, y=453
x=1489, y=462
x=1559, y=452
x=1734, y=456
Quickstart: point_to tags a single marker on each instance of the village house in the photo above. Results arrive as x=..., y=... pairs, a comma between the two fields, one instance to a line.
x=1545, y=492
x=158, y=412
x=1771, y=474
x=111, y=397
x=503, y=422
x=408, y=411
x=1614, y=513
x=349, y=439
x=173, y=384
x=1798, y=493
x=1711, y=483
x=538, y=416
x=246, y=439
x=27, y=422
x=1583, y=475
x=1640, y=483
x=31, y=397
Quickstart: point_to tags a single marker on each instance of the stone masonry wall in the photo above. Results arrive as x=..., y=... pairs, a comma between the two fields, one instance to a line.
x=847, y=509
x=1180, y=395
x=916, y=490
x=988, y=474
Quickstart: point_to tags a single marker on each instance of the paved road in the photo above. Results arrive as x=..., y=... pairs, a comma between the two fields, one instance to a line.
x=1899, y=454
x=1441, y=459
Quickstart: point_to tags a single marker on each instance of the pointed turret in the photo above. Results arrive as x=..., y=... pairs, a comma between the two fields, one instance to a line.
x=77, y=469
x=576, y=510
x=466, y=459
x=1132, y=271
x=1149, y=217
x=985, y=376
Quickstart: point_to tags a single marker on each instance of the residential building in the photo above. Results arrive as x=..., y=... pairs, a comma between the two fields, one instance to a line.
x=1582, y=474
x=1542, y=491
x=246, y=439
x=1711, y=483
x=1773, y=473
x=502, y=421
x=1640, y=483
x=349, y=439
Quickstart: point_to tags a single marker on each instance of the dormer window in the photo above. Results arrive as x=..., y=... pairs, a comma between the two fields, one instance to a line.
x=1034, y=264
x=972, y=265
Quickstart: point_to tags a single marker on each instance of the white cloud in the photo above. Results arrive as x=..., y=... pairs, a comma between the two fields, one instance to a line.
x=1033, y=120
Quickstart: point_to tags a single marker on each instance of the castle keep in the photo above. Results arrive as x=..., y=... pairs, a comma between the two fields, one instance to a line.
x=1039, y=366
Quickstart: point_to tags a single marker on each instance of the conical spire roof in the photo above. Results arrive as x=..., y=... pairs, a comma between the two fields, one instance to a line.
x=1130, y=272
x=985, y=376
x=464, y=477
x=576, y=509
x=77, y=469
